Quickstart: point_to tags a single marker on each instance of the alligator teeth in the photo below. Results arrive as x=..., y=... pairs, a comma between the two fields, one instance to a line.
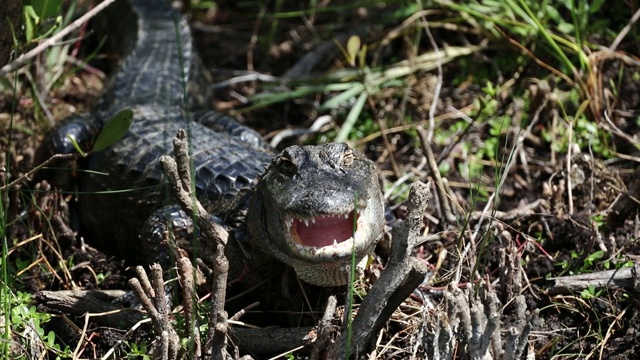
x=313, y=220
x=346, y=215
x=306, y=222
x=288, y=222
x=335, y=242
x=299, y=247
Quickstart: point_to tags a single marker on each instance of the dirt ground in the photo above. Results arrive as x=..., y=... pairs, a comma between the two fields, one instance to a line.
x=560, y=206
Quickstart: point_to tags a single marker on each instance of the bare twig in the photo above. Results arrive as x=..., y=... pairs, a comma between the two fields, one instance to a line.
x=624, y=278
x=31, y=172
x=436, y=93
x=26, y=58
x=443, y=196
x=158, y=311
x=470, y=326
x=210, y=229
x=178, y=172
x=80, y=302
x=324, y=329
x=401, y=276
x=625, y=31
x=187, y=277
x=217, y=336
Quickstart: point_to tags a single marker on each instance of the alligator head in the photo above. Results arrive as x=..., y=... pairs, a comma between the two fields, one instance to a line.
x=314, y=207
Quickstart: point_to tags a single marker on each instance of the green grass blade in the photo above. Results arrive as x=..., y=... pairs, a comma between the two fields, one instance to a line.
x=342, y=98
x=350, y=121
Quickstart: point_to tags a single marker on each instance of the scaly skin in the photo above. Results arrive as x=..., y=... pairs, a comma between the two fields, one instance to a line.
x=125, y=187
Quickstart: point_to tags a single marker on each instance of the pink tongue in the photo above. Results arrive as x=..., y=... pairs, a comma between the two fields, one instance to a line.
x=323, y=231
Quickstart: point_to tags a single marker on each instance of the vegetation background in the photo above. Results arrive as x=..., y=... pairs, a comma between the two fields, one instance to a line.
x=523, y=113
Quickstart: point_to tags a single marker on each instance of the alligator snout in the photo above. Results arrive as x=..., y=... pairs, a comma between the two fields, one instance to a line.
x=314, y=207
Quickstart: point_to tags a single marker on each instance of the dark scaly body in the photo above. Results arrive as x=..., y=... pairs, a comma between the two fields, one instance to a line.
x=153, y=81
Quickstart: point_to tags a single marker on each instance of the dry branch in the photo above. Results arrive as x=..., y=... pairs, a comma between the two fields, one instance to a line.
x=401, y=276
x=444, y=197
x=475, y=324
x=80, y=302
x=271, y=340
x=324, y=329
x=625, y=278
x=155, y=304
x=178, y=172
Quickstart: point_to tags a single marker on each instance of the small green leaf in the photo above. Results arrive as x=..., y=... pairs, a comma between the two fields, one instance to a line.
x=76, y=145
x=362, y=56
x=46, y=8
x=30, y=18
x=51, y=338
x=353, y=46
x=114, y=130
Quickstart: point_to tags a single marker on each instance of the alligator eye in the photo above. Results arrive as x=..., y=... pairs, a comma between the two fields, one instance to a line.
x=347, y=158
x=286, y=165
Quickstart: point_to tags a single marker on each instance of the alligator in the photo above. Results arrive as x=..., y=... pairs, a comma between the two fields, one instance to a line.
x=310, y=207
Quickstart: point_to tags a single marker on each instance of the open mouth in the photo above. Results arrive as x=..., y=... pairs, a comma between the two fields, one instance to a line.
x=323, y=230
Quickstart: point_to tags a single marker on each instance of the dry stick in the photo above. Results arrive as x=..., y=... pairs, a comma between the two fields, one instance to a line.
x=25, y=58
x=243, y=311
x=401, y=276
x=80, y=302
x=324, y=329
x=31, y=172
x=185, y=272
x=436, y=93
x=210, y=229
x=625, y=31
x=157, y=282
x=218, y=326
x=144, y=281
x=611, y=127
x=159, y=320
x=443, y=196
x=624, y=278
x=179, y=176
x=569, y=156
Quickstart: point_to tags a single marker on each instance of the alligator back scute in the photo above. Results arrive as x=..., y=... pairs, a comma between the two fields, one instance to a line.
x=159, y=63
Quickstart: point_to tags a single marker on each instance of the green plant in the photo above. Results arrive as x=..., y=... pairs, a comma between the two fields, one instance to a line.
x=41, y=18
x=353, y=86
x=138, y=351
x=586, y=262
x=27, y=324
x=486, y=110
x=578, y=129
x=555, y=41
x=618, y=262
x=591, y=293
x=590, y=260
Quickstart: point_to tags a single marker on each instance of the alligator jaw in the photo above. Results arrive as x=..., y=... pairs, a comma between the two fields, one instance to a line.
x=322, y=230
x=327, y=236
